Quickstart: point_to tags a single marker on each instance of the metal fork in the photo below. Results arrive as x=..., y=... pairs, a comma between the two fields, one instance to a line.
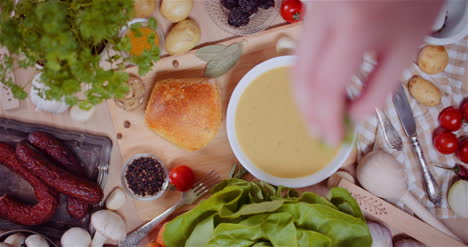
x=201, y=187
x=390, y=134
x=103, y=170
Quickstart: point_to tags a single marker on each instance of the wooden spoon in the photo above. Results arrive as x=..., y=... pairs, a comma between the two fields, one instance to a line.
x=382, y=175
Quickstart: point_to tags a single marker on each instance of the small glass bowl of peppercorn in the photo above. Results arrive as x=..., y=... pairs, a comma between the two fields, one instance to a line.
x=145, y=177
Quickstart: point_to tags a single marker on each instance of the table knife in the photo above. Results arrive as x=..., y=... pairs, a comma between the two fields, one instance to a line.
x=405, y=114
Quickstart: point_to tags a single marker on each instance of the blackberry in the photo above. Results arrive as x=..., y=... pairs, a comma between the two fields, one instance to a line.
x=248, y=6
x=230, y=4
x=238, y=18
x=265, y=4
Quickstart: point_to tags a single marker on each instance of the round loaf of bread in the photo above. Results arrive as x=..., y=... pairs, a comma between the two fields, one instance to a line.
x=186, y=112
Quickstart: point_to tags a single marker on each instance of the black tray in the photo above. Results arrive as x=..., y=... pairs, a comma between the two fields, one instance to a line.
x=94, y=152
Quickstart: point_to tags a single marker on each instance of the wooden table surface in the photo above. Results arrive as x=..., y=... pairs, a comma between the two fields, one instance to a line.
x=101, y=122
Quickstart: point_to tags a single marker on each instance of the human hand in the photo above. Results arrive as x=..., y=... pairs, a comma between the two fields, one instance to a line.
x=335, y=37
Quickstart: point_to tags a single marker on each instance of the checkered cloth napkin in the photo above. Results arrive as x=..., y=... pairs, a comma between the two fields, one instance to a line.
x=450, y=82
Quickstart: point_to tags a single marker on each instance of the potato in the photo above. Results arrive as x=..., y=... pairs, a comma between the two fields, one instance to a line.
x=144, y=8
x=433, y=59
x=183, y=37
x=176, y=10
x=423, y=91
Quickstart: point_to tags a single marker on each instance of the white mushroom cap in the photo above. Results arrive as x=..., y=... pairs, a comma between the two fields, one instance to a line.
x=76, y=237
x=15, y=240
x=116, y=199
x=36, y=240
x=108, y=225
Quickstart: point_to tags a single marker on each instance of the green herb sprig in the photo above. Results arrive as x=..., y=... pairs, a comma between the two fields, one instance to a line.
x=66, y=37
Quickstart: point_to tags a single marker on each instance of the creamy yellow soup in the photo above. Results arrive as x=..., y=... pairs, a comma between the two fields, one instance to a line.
x=271, y=132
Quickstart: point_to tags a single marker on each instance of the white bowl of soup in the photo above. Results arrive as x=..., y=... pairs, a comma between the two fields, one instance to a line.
x=269, y=136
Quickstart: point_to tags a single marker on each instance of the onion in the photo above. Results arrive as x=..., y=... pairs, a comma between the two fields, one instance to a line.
x=408, y=243
x=381, y=236
x=458, y=198
x=41, y=104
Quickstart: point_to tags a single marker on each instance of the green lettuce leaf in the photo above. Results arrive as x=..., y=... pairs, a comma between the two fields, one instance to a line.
x=345, y=202
x=241, y=213
x=277, y=228
x=344, y=230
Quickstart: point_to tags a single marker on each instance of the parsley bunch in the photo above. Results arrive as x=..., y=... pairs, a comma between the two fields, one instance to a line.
x=66, y=37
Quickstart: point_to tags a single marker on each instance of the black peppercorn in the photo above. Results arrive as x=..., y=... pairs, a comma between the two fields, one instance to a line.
x=145, y=176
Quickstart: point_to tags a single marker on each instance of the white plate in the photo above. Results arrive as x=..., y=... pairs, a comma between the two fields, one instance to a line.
x=315, y=178
x=456, y=24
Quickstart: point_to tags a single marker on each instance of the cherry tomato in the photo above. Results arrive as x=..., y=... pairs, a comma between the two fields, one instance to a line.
x=451, y=118
x=445, y=141
x=291, y=10
x=464, y=109
x=159, y=239
x=462, y=152
x=182, y=177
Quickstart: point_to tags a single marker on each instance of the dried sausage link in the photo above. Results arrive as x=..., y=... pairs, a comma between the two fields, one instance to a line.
x=19, y=212
x=56, y=177
x=58, y=151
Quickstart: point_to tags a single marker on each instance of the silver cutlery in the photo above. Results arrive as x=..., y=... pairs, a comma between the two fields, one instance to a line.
x=389, y=132
x=201, y=187
x=103, y=170
x=409, y=125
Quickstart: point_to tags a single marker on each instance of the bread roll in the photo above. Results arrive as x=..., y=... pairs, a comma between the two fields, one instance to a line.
x=186, y=112
x=433, y=59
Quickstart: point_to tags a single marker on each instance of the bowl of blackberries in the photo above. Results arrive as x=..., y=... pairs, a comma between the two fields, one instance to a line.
x=145, y=177
x=242, y=17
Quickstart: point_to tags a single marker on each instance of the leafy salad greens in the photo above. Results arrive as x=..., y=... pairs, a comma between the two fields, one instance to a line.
x=241, y=213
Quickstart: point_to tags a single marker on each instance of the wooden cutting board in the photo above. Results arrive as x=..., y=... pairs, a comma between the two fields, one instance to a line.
x=398, y=221
x=134, y=137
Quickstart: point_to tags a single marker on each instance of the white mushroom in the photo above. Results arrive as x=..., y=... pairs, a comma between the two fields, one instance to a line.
x=108, y=225
x=75, y=237
x=15, y=240
x=36, y=240
x=116, y=199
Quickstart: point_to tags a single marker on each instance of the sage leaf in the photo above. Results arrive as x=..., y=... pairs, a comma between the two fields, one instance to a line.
x=209, y=52
x=223, y=61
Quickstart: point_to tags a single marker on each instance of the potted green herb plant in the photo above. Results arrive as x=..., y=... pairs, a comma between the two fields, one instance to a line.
x=67, y=37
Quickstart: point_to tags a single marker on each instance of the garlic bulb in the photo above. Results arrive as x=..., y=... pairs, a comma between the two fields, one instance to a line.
x=285, y=45
x=41, y=104
x=381, y=236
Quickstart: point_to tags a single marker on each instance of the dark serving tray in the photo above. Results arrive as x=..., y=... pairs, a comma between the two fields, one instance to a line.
x=94, y=152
